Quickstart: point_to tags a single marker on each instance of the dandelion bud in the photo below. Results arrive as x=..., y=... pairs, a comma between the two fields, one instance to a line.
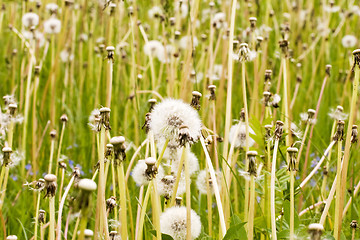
x=151, y=170
x=110, y=50
x=40, y=184
x=86, y=186
x=268, y=132
x=184, y=135
x=6, y=155
x=113, y=235
x=267, y=96
x=253, y=21
x=119, y=148
x=105, y=118
x=11, y=237
x=172, y=21
x=88, y=234
x=195, y=102
x=292, y=151
x=53, y=134
x=315, y=230
x=244, y=52
x=311, y=113
x=178, y=201
x=212, y=89
x=50, y=185
x=354, y=134
x=328, y=69
x=146, y=125
x=339, y=134
x=251, y=155
x=354, y=224
x=356, y=54
x=152, y=103
x=278, y=130
x=284, y=45
x=62, y=165
x=111, y=203
x=41, y=217
x=64, y=118
x=109, y=151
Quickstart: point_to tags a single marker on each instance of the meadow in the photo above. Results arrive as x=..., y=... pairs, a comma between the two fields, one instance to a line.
x=179, y=119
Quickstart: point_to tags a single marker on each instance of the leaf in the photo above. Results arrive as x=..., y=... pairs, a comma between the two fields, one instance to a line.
x=236, y=232
x=287, y=214
x=163, y=235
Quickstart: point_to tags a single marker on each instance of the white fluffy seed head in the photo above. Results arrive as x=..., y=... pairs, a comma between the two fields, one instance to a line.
x=87, y=185
x=154, y=48
x=349, y=41
x=165, y=185
x=52, y=26
x=11, y=237
x=240, y=139
x=169, y=115
x=316, y=227
x=173, y=223
x=203, y=179
x=30, y=19
x=192, y=160
x=139, y=173
x=185, y=42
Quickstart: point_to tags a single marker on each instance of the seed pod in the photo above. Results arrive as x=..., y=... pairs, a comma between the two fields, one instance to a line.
x=278, y=130
x=212, y=89
x=119, y=149
x=315, y=230
x=339, y=134
x=251, y=155
x=86, y=187
x=6, y=155
x=184, y=136
x=41, y=217
x=195, y=102
x=50, y=185
x=105, y=118
x=292, y=151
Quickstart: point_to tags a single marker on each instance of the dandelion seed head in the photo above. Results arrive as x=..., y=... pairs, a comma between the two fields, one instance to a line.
x=240, y=139
x=219, y=20
x=173, y=223
x=52, y=25
x=338, y=114
x=154, y=48
x=66, y=56
x=192, y=160
x=30, y=19
x=155, y=12
x=139, y=173
x=349, y=41
x=166, y=184
x=203, y=179
x=185, y=42
x=168, y=116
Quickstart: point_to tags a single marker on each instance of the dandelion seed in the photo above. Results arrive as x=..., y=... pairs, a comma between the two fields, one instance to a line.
x=295, y=131
x=240, y=139
x=338, y=114
x=168, y=116
x=173, y=223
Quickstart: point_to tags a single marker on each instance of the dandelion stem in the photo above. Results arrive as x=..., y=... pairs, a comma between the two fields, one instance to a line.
x=37, y=215
x=348, y=141
x=272, y=190
x=52, y=218
x=338, y=211
x=61, y=207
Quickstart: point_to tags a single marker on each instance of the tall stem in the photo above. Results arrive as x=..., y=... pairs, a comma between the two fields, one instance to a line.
x=272, y=190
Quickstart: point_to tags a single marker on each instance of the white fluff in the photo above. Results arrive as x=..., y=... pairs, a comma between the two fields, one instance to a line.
x=173, y=223
x=139, y=175
x=52, y=26
x=240, y=140
x=30, y=19
x=202, y=180
x=169, y=115
x=349, y=41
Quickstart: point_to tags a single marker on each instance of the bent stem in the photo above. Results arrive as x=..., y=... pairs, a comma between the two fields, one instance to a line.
x=216, y=188
x=61, y=207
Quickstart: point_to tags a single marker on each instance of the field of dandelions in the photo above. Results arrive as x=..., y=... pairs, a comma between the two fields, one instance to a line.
x=179, y=119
